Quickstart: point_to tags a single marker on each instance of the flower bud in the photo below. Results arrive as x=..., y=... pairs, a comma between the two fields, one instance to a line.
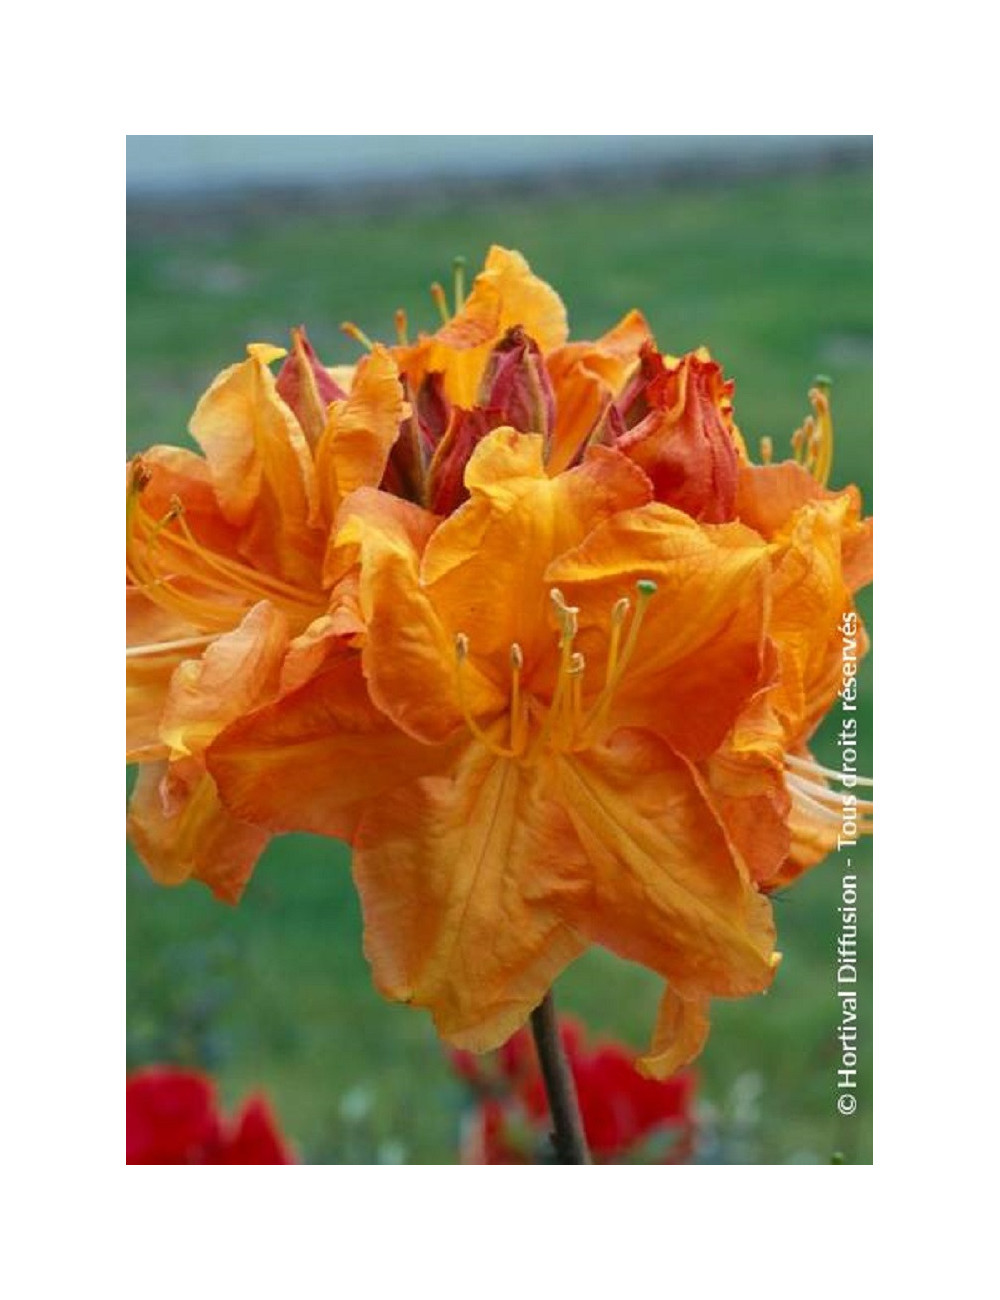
x=679, y=429
x=516, y=385
x=307, y=386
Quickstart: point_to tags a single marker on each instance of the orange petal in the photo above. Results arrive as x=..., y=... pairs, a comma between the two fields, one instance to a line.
x=504, y=294
x=809, y=597
x=310, y=761
x=585, y=378
x=237, y=672
x=680, y=1034
x=181, y=830
x=147, y=676
x=744, y=781
x=769, y=495
x=504, y=538
x=465, y=881
x=261, y=465
x=667, y=891
x=700, y=654
x=355, y=446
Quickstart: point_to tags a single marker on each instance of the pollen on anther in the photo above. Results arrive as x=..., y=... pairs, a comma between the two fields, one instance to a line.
x=461, y=646
x=619, y=611
x=516, y=657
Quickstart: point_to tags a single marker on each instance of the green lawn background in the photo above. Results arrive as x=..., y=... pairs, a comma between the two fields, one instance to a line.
x=775, y=277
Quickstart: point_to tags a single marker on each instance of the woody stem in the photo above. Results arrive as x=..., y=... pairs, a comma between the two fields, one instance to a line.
x=567, y=1136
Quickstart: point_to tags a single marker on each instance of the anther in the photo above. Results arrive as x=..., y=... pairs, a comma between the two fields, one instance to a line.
x=766, y=450
x=140, y=475
x=516, y=657
x=459, y=269
x=577, y=664
x=646, y=587
x=440, y=301
x=402, y=331
x=567, y=616
x=359, y=336
x=461, y=647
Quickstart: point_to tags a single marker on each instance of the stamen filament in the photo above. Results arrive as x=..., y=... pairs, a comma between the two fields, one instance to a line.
x=822, y=811
x=252, y=579
x=440, y=301
x=810, y=768
x=645, y=589
x=516, y=667
x=824, y=794
x=169, y=647
x=461, y=654
x=353, y=332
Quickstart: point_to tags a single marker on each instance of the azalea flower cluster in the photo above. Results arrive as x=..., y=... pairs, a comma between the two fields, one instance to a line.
x=627, y=1117
x=521, y=620
x=172, y=1118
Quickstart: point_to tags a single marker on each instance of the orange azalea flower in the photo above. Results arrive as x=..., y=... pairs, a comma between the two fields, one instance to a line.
x=512, y=750
x=572, y=710
x=227, y=600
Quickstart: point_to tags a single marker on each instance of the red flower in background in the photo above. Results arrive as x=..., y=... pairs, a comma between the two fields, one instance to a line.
x=172, y=1118
x=622, y=1110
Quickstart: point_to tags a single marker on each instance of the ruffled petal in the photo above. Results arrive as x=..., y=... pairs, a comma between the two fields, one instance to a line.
x=354, y=448
x=744, y=781
x=679, y=1036
x=147, y=675
x=506, y=293
x=261, y=466
x=312, y=760
x=700, y=654
x=504, y=538
x=465, y=883
x=666, y=888
x=181, y=831
x=585, y=378
x=237, y=672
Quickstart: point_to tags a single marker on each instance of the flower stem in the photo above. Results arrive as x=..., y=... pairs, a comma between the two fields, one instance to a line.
x=567, y=1136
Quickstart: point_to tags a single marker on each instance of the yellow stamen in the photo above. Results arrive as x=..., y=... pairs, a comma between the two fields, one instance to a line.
x=461, y=655
x=577, y=667
x=440, y=301
x=819, y=395
x=766, y=450
x=402, y=329
x=617, y=663
x=168, y=647
x=812, y=769
x=353, y=332
x=264, y=585
x=516, y=668
x=459, y=267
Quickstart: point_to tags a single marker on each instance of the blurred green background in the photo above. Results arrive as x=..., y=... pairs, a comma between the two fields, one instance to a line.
x=774, y=275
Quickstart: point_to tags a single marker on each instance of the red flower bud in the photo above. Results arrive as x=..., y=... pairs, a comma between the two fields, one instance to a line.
x=679, y=429
x=307, y=386
x=516, y=385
